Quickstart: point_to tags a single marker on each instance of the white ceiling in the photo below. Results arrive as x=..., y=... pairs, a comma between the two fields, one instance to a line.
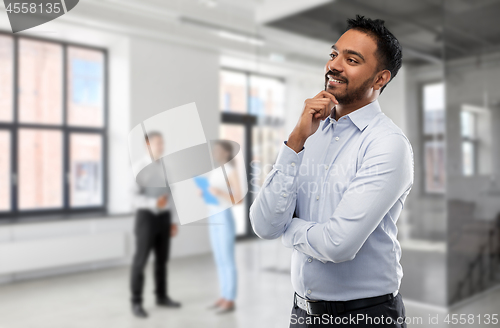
x=201, y=23
x=298, y=31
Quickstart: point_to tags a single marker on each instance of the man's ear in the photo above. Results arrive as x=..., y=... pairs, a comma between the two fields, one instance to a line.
x=382, y=79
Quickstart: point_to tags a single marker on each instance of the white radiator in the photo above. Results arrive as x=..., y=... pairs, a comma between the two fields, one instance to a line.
x=50, y=253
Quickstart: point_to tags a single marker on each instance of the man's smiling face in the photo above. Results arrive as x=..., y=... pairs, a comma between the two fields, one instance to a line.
x=351, y=71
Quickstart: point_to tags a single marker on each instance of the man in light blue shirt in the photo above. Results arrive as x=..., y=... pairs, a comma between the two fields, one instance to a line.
x=338, y=187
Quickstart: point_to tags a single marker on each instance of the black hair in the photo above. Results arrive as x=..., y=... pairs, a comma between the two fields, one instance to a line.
x=389, y=51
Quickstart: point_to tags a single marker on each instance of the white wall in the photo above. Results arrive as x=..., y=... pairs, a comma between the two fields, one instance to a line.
x=426, y=213
x=470, y=83
x=393, y=100
x=165, y=76
x=38, y=249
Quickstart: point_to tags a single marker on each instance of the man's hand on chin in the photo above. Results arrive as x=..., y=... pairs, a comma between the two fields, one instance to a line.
x=315, y=109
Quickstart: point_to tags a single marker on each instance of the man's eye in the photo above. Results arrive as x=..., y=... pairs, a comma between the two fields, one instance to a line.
x=352, y=60
x=333, y=56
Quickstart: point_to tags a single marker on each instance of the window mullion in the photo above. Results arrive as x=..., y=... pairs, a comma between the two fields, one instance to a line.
x=66, y=146
x=14, y=131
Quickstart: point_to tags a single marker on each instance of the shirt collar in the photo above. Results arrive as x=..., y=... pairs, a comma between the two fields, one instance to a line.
x=360, y=117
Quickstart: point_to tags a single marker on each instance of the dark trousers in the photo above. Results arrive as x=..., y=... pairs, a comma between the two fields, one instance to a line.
x=152, y=232
x=388, y=314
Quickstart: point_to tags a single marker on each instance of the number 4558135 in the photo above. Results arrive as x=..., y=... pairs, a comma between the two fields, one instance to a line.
x=471, y=319
x=33, y=8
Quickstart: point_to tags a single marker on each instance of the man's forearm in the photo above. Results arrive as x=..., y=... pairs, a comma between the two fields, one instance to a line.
x=296, y=142
x=273, y=208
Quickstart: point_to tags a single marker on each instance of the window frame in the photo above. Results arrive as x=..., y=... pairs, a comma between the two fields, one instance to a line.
x=248, y=121
x=14, y=126
x=266, y=120
x=424, y=138
x=474, y=141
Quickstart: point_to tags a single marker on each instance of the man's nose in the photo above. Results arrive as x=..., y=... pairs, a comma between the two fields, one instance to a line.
x=334, y=65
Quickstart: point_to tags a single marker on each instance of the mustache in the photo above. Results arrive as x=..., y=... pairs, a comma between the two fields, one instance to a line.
x=336, y=75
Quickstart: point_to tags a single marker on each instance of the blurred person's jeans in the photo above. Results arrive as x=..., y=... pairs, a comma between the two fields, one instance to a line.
x=222, y=236
x=152, y=232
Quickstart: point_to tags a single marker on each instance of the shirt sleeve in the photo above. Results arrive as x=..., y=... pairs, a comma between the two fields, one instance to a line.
x=141, y=200
x=385, y=175
x=273, y=208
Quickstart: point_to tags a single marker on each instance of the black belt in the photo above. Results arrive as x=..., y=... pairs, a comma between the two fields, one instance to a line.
x=319, y=308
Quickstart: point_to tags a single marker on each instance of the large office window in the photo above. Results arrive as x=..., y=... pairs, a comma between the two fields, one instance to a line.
x=433, y=97
x=252, y=109
x=52, y=127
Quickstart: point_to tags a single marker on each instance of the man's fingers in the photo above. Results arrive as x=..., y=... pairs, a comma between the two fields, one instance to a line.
x=331, y=97
x=319, y=113
x=320, y=95
x=323, y=105
x=319, y=103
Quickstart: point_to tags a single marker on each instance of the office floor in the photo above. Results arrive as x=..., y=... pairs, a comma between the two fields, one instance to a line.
x=100, y=298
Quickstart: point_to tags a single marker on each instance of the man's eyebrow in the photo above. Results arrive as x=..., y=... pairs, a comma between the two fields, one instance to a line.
x=351, y=52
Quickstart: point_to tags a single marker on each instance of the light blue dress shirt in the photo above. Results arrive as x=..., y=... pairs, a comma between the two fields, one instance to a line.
x=347, y=188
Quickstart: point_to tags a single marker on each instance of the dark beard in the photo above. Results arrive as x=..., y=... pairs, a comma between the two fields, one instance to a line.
x=349, y=96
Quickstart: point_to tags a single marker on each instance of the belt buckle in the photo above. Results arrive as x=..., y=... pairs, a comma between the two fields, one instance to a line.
x=308, y=311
